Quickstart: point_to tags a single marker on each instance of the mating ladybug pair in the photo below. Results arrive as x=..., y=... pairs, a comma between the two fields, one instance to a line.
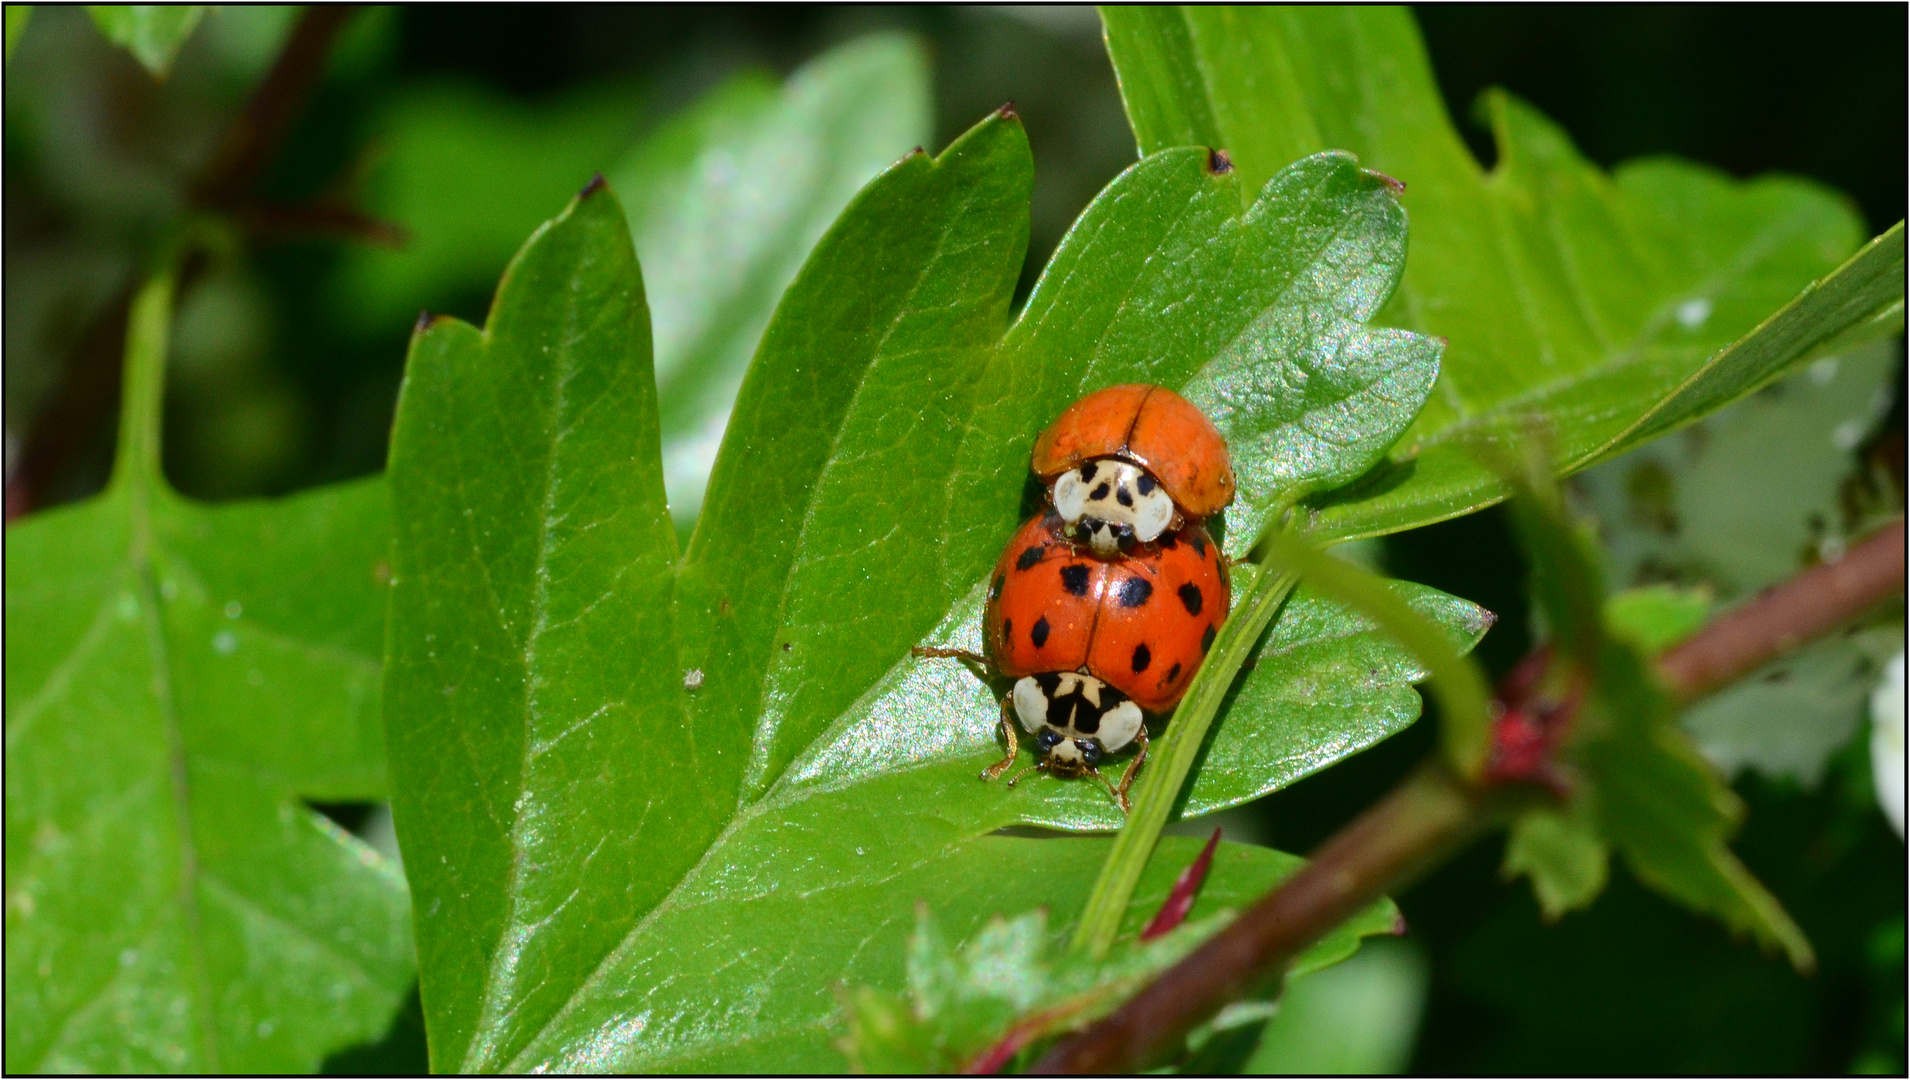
x=1104, y=605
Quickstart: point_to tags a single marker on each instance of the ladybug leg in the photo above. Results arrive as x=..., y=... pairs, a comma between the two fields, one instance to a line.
x=936, y=653
x=1119, y=794
x=1013, y=740
x=1016, y=779
x=1127, y=777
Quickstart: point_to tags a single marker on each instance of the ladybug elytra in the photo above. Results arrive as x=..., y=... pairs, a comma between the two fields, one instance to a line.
x=1129, y=464
x=1091, y=643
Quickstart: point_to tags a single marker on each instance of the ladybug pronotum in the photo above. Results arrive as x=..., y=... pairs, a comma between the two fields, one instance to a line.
x=1129, y=464
x=1091, y=643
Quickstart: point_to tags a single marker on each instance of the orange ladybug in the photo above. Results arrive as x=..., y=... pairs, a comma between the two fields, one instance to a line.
x=1092, y=643
x=1129, y=464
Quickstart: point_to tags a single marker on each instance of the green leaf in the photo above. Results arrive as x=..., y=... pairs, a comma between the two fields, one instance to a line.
x=1713, y=508
x=17, y=15
x=727, y=199
x=1656, y=617
x=535, y=728
x=179, y=679
x=1637, y=782
x=1359, y=1017
x=653, y=809
x=1563, y=852
x=1014, y=977
x=153, y=33
x=1615, y=307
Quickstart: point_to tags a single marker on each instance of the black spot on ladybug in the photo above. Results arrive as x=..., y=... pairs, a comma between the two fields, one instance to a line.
x=1088, y=471
x=1098, y=493
x=1050, y=520
x=1146, y=483
x=1030, y=557
x=1200, y=545
x=1134, y=592
x=1206, y=639
x=994, y=591
x=1142, y=658
x=1075, y=579
x=1049, y=681
x=1039, y=635
x=1172, y=674
x=1123, y=497
x=1169, y=541
x=1190, y=598
x=1008, y=631
x=1087, y=721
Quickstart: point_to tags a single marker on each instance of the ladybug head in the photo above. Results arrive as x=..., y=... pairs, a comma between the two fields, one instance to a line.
x=1111, y=505
x=1071, y=757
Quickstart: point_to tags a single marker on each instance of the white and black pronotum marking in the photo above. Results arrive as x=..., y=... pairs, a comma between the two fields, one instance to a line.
x=1112, y=505
x=1076, y=720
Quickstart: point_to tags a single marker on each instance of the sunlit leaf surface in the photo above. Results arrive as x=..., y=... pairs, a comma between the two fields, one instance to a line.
x=653, y=807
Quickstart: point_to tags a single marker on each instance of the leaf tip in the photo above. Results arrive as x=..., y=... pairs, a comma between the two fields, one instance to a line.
x=1007, y=111
x=1218, y=163
x=423, y=323
x=1399, y=925
x=1180, y=899
x=596, y=184
x=1394, y=185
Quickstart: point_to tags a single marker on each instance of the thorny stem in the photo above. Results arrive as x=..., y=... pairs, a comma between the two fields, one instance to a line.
x=1432, y=814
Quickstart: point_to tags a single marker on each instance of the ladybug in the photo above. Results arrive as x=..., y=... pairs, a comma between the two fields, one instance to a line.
x=1129, y=464
x=1091, y=643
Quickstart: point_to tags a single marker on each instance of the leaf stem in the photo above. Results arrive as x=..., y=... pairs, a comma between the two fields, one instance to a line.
x=136, y=464
x=1161, y=782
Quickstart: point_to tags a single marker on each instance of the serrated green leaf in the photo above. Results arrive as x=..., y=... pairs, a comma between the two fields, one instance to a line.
x=536, y=736
x=1639, y=785
x=1563, y=852
x=178, y=679
x=727, y=199
x=814, y=778
x=153, y=33
x=1614, y=307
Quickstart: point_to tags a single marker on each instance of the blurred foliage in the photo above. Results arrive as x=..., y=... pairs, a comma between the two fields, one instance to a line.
x=153, y=33
x=278, y=388
x=1739, y=502
x=178, y=679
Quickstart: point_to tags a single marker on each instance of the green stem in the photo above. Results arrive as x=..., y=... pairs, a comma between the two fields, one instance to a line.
x=1457, y=683
x=1161, y=781
x=143, y=397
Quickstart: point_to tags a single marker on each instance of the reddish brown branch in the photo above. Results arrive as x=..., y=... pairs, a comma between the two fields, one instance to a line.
x=1382, y=849
x=1785, y=616
x=1431, y=814
x=231, y=178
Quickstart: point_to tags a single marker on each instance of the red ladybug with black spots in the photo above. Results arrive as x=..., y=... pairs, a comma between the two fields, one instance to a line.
x=1092, y=643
